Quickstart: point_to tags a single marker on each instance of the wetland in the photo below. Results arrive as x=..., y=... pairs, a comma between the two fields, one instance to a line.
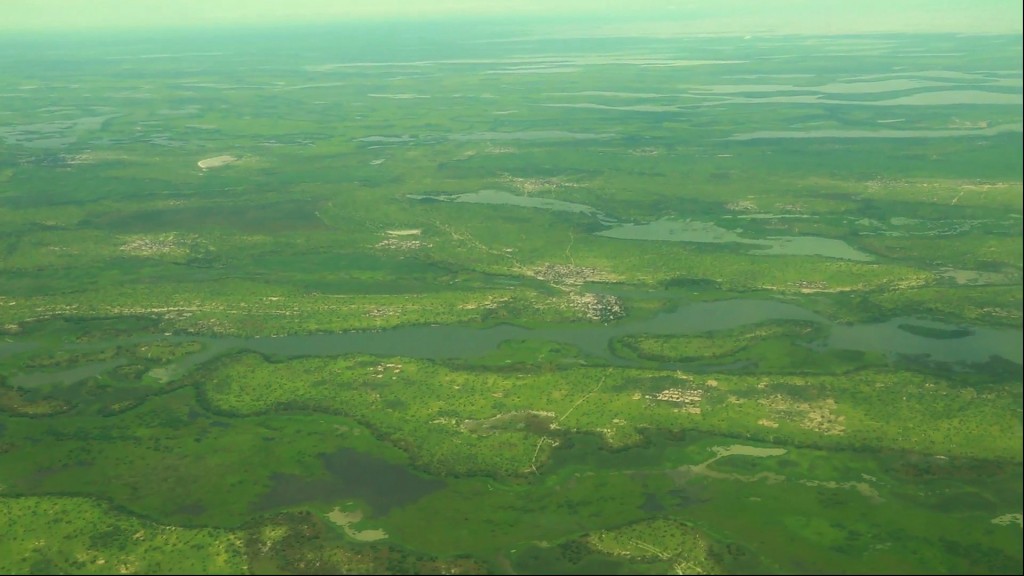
x=374, y=299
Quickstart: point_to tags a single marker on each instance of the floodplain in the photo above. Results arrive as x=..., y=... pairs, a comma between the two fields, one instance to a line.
x=397, y=300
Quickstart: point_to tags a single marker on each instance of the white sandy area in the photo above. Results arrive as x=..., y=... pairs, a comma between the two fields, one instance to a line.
x=347, y=519
x=216, y=162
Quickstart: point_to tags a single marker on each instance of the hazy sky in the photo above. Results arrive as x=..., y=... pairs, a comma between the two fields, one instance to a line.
x=621, y=16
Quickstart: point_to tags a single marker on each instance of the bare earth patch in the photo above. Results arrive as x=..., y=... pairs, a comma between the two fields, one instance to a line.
x=524, y=419
x=216, y=162
x=149, y=245
x=1007, y=519
x=689, y=399
x=817, y=416
x=863, y=488
x=347, y=519
x=407, y=239
x=570, y=275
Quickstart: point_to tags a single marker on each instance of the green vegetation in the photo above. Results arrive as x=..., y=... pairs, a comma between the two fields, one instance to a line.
x=17, y=402
x=658, y=539
x=467, y=422
x=77, y=535
x=710, y=345
x=350, y=301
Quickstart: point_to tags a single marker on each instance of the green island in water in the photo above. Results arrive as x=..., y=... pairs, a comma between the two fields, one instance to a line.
x=498, y=296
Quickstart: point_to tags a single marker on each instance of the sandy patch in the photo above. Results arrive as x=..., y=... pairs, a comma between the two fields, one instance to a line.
x=347, y=519
x=396, y=244
x=344, y=518
x=409, y=232
x=151, y=245
x=863, y=488
x=974, y=278
x=1007, y=519
x=510, y=421
x=161, y=374
x=216, y=162
x=741, y=450
x=735, y=450
x=818, y=416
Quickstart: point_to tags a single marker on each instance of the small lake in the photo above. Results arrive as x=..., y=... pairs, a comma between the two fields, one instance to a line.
x=933, y=98
x=380, y=484
x=812, y=246
x=669, y=230
x=675, y=231
x=64, y=377
x=694, y=231
x=863, y=87
x=53, y=134
x=502, y=197
x=541, y=135
x=937, y=133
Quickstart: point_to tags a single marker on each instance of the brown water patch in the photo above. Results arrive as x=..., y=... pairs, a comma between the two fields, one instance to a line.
x=351, y=474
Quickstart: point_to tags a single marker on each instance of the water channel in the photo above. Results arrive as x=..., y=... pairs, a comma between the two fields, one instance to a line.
x=971, y=344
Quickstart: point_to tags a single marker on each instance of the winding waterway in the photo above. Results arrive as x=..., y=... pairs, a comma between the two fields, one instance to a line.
x=973, y=344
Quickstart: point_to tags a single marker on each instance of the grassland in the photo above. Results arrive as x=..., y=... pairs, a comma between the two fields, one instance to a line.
x=511, y=309
x=62, y=535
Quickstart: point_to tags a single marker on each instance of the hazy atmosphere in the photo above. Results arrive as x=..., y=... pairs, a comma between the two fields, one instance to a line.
x=634, y=17
x=531, y=287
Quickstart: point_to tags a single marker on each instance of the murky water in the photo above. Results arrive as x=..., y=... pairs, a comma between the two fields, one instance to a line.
x=693, y=231
x=446, y=342
x=502, y=197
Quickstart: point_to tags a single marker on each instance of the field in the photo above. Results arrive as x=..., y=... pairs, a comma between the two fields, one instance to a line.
x=412, y=300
